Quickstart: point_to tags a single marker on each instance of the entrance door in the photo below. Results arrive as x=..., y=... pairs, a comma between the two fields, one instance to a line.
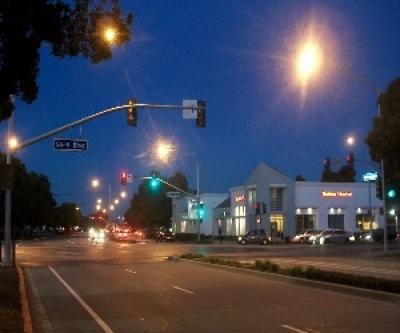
x=276, y=221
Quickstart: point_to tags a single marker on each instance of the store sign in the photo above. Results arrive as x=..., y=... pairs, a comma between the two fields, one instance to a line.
x=337, y=194
x=240, y=198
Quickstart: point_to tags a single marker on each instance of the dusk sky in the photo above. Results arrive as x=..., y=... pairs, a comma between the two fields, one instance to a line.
x=235, y=55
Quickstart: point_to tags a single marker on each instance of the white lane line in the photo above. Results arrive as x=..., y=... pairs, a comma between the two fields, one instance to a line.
x=293, y=329
x=184, y=290
x=101, y=323
x=130, y=271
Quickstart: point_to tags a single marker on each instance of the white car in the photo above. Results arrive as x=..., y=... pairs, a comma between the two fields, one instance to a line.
x=332, y=236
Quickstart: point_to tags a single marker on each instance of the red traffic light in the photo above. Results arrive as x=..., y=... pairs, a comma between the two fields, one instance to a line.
x=123, y=178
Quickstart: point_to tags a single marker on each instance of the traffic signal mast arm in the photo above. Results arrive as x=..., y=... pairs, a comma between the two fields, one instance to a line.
x=173, y=186
x=93, y=117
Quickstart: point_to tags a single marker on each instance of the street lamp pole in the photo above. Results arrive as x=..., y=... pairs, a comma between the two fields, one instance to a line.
x=7, y=260
x=198, y=196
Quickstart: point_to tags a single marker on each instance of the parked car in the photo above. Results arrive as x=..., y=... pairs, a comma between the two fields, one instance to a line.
x=304, y=236
x=258, y=236
x=332, y=236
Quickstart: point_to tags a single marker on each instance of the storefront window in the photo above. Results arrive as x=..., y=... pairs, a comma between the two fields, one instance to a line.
x=251, y=197
x=365, y=222
x=336, y=221
x=240, y=220
x=304, y=222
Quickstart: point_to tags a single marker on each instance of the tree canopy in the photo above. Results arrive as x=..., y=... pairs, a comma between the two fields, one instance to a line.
x=346, y=174
x=384, y=139
x=32, y=200
x=71, y=28
x=150, y=206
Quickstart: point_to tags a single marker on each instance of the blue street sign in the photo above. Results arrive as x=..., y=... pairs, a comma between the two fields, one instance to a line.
x=70, y=144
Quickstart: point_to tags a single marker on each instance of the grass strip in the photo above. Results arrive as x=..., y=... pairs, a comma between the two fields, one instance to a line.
x=11, y=319
x=311, y=273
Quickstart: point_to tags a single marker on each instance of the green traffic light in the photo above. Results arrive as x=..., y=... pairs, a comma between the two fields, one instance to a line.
x=154, y=182
x=391, y=193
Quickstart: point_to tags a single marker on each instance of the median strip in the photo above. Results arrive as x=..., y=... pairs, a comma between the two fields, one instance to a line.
x=310, y=273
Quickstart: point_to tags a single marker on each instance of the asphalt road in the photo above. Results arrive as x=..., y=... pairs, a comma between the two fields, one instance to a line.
x=75, y=286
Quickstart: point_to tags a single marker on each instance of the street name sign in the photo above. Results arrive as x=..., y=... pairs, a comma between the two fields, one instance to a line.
x=70, y=144
x=188, y=112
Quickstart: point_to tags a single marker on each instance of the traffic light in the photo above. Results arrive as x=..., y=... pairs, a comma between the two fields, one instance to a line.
x=379, y=188
x=350, y=160
x=327, y=164
x=391, y=193
x=132, y=112
x=154, y=182
x=201, y=114
x=123, y=177
x=200, y=209
x=258, y=208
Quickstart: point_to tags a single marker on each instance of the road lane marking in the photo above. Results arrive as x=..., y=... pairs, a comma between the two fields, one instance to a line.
x=130, y=271
x=101, y=323
x=184, y=290
x=293, y=329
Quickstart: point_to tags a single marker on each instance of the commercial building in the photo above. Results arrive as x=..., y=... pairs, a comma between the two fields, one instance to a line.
x=270, y=200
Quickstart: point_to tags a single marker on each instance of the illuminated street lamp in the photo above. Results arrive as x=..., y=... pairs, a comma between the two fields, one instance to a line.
x=99, y=201
x=123, y=194
x=13, y=143
x=308, y=62
x=95, y=183
x=98, y=207
x=163, y=150
x=110, y=35
x=111, y=207
x=350, y=140
x=116, y=201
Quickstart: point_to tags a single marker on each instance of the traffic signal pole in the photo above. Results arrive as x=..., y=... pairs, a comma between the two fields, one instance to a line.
x=7, y=253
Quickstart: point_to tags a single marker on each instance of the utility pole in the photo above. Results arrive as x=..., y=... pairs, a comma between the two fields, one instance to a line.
x=198, y=198
x=7, y=260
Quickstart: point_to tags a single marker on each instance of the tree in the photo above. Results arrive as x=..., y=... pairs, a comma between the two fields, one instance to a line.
x=300, y=178
x=383, y=140
x=71, y=28
x=151, y=207
x=67, y=216
x=346, y=174
x=32, y=200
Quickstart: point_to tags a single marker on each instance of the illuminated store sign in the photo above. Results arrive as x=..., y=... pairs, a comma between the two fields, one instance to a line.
x=336, y=194
x=240, y=198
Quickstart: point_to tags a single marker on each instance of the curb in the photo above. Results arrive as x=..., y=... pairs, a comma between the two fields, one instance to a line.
x=380, y=296
x=24, y=302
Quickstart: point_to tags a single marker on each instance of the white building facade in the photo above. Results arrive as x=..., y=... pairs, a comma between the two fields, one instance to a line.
x=269, y=200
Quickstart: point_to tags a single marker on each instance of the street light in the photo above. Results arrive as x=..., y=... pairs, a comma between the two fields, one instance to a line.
x=95, y=183
x=350, y=140
x=163, y=150
x=306, y=65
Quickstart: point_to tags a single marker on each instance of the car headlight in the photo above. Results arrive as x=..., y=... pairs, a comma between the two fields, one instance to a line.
x=322, y=240
x=312, y=238
x=352, y=238
x=239, y=238
x=368, y=237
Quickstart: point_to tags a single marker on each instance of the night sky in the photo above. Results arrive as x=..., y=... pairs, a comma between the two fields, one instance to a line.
x=237, y=56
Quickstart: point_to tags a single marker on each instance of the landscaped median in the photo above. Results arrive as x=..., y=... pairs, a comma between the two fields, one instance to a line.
x=310, y=273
